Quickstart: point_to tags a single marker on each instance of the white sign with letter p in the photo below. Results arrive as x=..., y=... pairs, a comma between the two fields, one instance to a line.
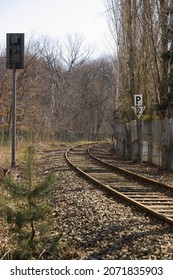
x=138, y=100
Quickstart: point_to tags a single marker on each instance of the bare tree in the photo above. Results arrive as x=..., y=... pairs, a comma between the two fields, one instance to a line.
x=143, y=29
x=73, y=53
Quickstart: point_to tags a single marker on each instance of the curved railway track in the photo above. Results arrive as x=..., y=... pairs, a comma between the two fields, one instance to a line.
x=150, y=195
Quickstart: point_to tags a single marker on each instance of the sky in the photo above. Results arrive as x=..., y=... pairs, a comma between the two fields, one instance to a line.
x=56, y=18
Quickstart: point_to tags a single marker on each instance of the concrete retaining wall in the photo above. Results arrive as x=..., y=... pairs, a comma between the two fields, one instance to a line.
x=147, y=141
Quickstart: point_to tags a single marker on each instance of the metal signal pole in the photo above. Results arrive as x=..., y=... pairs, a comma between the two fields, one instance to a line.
x=13, y=162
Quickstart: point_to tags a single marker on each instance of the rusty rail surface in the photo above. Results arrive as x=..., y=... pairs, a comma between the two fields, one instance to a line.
x=150, y=195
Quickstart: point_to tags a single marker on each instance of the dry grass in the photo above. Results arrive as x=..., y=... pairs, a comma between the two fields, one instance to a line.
x=6, y=151
x=5, y=156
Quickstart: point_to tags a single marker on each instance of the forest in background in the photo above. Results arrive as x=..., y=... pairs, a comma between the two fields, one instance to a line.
x=63, y=93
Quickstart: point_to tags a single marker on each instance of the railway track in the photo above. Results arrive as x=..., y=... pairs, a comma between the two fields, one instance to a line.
x=150, y=195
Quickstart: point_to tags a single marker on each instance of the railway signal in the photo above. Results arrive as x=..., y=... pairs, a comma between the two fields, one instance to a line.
x=15, y=51
x=14, y=60
x=138, y=107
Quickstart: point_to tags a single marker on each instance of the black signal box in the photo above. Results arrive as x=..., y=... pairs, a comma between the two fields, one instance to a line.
x=15, y=50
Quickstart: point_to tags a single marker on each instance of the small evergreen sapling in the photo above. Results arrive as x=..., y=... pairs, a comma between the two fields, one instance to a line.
x=29, y=210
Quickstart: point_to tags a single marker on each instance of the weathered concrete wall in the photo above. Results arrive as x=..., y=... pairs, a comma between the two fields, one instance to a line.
x=149, y=141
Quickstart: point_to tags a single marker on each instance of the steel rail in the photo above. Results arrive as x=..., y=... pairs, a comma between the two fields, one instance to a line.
x=111, y=190
x=127, y=172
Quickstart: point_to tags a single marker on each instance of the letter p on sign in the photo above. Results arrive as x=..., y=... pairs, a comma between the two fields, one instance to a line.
x=138, y=100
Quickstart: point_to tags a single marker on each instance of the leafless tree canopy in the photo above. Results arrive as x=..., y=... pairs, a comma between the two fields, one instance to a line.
x=61, y=93
x=143, y=34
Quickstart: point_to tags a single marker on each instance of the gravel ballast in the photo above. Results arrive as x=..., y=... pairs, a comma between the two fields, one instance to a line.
x=101, y=227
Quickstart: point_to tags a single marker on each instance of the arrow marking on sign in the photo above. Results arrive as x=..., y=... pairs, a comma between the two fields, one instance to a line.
x=138, y=110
